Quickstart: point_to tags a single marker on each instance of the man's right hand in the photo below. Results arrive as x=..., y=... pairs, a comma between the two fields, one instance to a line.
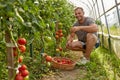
x=74, y=29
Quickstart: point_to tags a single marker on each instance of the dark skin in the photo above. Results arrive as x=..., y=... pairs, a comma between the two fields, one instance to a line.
x=91, y=39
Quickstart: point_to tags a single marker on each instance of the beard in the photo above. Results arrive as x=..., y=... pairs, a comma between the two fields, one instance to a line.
x=79, y=18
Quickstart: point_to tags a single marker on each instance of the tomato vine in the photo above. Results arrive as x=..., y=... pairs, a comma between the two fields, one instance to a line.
x=34, y=20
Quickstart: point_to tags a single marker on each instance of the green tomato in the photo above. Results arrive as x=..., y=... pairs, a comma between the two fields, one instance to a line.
x=60, y=25
x=26, y=78
x=47, y=39
x=57, y=50
x=48, y=64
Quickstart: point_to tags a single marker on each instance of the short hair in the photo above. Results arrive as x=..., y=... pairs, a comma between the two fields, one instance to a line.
x=78, y=8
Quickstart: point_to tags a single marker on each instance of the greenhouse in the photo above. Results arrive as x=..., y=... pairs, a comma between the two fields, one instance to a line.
x=59, y=39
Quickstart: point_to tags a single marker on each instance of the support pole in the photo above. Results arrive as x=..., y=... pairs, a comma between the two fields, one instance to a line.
x=100, y=24
x=109, y=41
x=31, y=48
x=94, y=10
x=10, y=57
x=117, y=11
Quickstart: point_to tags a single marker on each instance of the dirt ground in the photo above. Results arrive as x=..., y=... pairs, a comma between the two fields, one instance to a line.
x=75, y=74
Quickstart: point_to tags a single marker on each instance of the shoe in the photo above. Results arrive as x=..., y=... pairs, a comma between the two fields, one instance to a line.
x=83, y=61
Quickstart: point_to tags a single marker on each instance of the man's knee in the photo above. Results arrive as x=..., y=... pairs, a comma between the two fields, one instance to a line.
x=92, y=36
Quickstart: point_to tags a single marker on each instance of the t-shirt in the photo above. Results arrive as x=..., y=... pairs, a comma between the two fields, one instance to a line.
x=82, y=34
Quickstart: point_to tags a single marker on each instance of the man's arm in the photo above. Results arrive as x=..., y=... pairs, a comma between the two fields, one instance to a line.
x=70, y=39
x=90, y=29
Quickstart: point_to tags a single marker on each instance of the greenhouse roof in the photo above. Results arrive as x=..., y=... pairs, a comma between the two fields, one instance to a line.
x=94, y=7
x=86, y=4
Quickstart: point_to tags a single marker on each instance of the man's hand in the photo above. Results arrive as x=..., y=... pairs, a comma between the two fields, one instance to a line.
x=70, y=40
x=74, y=29
x=68, y=44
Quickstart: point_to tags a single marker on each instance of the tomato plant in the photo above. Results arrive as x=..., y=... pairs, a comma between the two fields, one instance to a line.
x=32, y=21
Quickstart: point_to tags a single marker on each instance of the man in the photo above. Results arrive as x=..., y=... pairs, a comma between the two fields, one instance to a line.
x=86, y=31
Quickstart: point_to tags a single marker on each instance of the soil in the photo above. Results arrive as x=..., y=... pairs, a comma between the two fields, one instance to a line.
x=78, y=73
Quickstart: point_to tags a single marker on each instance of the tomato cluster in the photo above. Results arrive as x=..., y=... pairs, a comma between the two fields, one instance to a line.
x=21, y=44
x=63, y=61
x=59, y=49
x=47, y=57
x=22, y=73
x=22, y=48
x=58, y=34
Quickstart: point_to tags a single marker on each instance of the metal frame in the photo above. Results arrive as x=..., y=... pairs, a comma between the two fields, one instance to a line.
x=94, y=10
x=109, y=40
x=117, y=11
x=102, y=42
x=109, y=10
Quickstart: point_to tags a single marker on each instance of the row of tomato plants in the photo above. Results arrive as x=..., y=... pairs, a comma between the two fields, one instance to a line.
x=36, y=22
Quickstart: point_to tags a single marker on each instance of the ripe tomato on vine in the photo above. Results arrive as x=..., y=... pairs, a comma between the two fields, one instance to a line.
x=22, y=41
x=22, y=48
x=48, y=58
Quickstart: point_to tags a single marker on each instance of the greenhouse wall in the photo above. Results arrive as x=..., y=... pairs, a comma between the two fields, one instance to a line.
x=115, y=43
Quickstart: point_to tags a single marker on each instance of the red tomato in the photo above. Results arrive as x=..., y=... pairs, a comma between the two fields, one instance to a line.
x=15, y=53
x=48, y=58
x=69, y=62
x=63, y=62
x=60, y=30
x=60, y=49
x=57, y=33
x=24, y=73
x=22, y=41
x=20, y=59
x=61, y=34
x=14, y=48
x=22, y=48
x=19, y=77
x=58, y=61
x=56, y=36
x=23, y=67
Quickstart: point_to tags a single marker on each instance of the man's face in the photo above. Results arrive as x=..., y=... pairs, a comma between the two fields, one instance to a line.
x=79, y=14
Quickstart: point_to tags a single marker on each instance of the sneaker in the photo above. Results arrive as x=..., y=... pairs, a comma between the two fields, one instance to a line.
x=83, y=61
